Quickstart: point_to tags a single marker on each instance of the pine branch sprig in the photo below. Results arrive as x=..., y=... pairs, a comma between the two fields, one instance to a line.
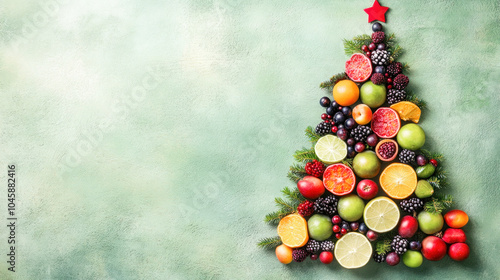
x=348, y=162
x=333, y=80
x=275, y=217
x=438, y=203
x=296, y=172
x=269, y=242
x=383, y=247
x=431, y=155
x=293, y=195
x=293, y=177
x=406, y=66
x=312, y=135
x=390, y=41
x=396, y=52
x=354, y=45
x=411, y=97
x=305, y=155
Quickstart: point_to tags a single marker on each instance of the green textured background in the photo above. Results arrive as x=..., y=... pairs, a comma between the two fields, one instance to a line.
x=151, y=137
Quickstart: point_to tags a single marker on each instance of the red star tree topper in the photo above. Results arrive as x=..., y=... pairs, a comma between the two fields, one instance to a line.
x=376, y=12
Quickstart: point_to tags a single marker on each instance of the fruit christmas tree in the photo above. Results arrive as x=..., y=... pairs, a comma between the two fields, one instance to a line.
x=367, y=189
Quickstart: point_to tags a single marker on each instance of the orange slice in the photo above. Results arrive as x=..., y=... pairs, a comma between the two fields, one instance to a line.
x=398, y=180
x=292, y=230
x=407, y=111
x=339, y=179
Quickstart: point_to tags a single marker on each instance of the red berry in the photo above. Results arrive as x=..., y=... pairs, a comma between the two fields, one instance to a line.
x=327, y=121
x=368, y=54
x=343, y=231
x=389, y=80
x=364, y=48
x=336, y=219
x=306, y=208
x=372, y=46
x=329, y=116
x=326, y=257
x=386, y=74
x=434, y=162
x=334, y=129
x=336, y=228
x=315, y=168
x=389, y=86
x=324, y=116
x=338, y=235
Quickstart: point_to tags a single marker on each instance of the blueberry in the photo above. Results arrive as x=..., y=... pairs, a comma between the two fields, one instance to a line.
x=350, y=152
x=377, y=26
x=380, y=69
x=415, y=245
x=350, y=142
x=331, y=111
x=341, y=126
x=339, y=117
x=346, y=111
x=334, y=105
x=350, y=123
x=324, y=101
x=362, y=228
x=381, y=46
x=342, y=133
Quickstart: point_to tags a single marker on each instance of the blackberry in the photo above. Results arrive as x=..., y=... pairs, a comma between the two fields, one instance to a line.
x=395, y=95
x=323, y=128
x=394, y=69
x=380, y=258
x=411, y=205
x=299, y=255
x=407, y=156
x=360, y=133
x=401, y=81
x=378, y=37
x=312, y=246
x=306, y=208
x=327, y=245
x=378, y=78
x=380, y=57
x=399, y=244
x=326, y=205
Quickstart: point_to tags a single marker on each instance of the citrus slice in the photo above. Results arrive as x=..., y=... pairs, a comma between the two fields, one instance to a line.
x=353, y=250
x=381, y=214
x=292, y=230
x=385, y=122
x=407, y=111
x=339, y=179
x=358, y=67
x=398, y=180
x=330, y=149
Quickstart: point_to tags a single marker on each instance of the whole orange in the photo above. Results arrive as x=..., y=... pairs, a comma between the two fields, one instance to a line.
x=345, y=93
x=284, y=254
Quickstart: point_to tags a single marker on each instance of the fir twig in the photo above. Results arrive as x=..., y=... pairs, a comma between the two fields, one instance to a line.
x=416, y=100
x=285, y=205
x=333, y=80
x=275, y=217
x=312, y=135
x=354, y=45
x=269, y=242
x=390, y=41
x=438, y=203
x=383, y=247
x=396, y=52
x=305, y=155
x=348, y=162
x=293, y=177
x=406, y=66
x=431, y=155
x=296, y=172
x=294, y=195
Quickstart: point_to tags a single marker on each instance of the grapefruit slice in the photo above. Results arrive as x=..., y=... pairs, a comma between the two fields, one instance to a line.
x=398, y=180
x=385, y=122
x=358, y=67
x=408, y=111
x=339, y=179
x=292, y=230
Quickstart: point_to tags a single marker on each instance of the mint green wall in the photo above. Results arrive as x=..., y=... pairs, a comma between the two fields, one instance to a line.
x=152, y=136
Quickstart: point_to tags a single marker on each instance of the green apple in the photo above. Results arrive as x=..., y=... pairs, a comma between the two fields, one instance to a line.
x=412, y=258
x=366, y=164
x=424, y=189
x=425, y=171
x=411, y=137
x=320, y=227
x=430, y=223
x=372, y=95
x=351, y=207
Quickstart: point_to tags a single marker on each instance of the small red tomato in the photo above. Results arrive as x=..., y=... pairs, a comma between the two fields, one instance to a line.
x=456, y=218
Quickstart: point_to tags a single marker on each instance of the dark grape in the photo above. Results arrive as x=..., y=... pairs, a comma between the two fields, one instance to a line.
x=372, y=140
x=342, y=133
x=392, y=259
x=347, y=111
x=331, y=111
x=350, y=123
x=339, y=117
x=350, y=152
x=334, y=105
x=380, y=69
x=421, y=160
x=415, y=245
x=324, y=101
x=350, y=142
x=381, y=46
x=359, y=147
x=341, y=126
x=354, y=226
x=377, y=26
x=346, y=225
x=363, y=228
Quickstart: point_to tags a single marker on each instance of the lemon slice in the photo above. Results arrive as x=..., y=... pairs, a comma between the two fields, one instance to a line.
x=330, y=149
x=353, y=250
x=381, y=214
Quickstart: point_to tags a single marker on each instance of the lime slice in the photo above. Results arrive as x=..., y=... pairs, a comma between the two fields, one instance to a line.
x=353, y=250
x=330, y=149
x=381, y=214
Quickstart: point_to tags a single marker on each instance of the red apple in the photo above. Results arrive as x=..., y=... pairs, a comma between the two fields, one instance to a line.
x=459, y=251
x=362, y=114
x=433, y=248
x=311, y=187
x=454, y=235
x=408, y=226
x=367, y=189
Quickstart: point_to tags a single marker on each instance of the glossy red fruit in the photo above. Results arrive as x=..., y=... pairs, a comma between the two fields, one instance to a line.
x=459, y=251
x=367, y=189
x=456, y=218
x=454, y=235
x=408, y=226
x=326, y=257
x=433, y=248
x=371, y=235
x=311, y=187
x=434, y=162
